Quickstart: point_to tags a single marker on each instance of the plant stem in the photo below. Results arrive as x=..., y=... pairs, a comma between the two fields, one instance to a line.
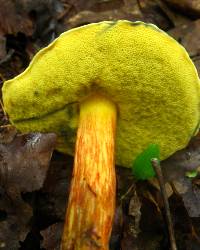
x=91, y=204
x=156, y=165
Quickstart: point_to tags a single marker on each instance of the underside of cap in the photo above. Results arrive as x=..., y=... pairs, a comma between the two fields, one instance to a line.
x=144, y=71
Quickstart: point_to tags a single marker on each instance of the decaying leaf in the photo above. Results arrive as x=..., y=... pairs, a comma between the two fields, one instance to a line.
x=13, y=19
x=12, y=230
x=184, y=160
x=190, y=194
x=24, y=161
x=117, y=228
x=134, y=211
x=188, y=35
x=154, y=182
x=153, y=13
x=131, y=220
x=189, y=7
x=96, y=11
x=51, y=236
x=7, y=134
x=138, y=222
x=2, y=47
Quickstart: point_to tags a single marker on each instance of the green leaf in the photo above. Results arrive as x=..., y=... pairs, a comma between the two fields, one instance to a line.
x=191, y=174
x=142, y=168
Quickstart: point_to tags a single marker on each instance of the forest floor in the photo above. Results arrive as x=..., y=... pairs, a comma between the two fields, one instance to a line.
x=32, y=211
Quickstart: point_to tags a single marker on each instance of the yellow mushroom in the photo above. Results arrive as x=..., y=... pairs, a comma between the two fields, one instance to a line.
x=92, y=78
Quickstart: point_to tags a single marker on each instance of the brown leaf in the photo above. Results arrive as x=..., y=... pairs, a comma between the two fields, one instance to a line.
x=189, y=7
x=128, y=241
x=81, y=5
x=131, y=220
x=13, y=19
x=96, y=11
x=57, y=183
x=184, y=160
x=2, y=47
x=154, y=182
x=24, y=161
x=191, y=197
x=117, y=228
x=7, y=134
x=153, y=13
x=190, y=194
x=11, y=232
x=51, y=236
x=15, y=216
x=188, y=35
x=134, y=211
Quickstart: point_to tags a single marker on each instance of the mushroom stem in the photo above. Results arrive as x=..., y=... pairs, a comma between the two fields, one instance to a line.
x=91, y=204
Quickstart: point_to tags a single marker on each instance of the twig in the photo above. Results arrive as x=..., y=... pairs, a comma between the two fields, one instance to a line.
x=156, y=165
x=8, y=56
x=127, y=192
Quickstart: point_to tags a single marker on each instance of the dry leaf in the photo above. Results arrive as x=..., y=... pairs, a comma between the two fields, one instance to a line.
x=191, y=196
x=189, y=7
x=187, y=159
x=13, y=19
x=24, y=161
x=2, y=47
x=117, y=228
x=12, y=230
x=188, y=35
x=51, y=236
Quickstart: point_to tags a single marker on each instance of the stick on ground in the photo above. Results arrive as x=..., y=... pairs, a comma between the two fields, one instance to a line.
x=156, y=165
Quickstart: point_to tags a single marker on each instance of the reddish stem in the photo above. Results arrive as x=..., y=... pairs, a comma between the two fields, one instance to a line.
x=91, y=202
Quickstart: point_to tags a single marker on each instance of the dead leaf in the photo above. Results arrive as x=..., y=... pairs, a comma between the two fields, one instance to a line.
x=15, y=222
x=24, y=162
x=51, y=236
x=13, y=19
x=184, y=160
x=153, y=12
x=81, y=5
x=7, y=134
x=11, y=232
x=131, y=220
x=88, y=16
x=2, y=47
x=117, y=228
x=181, y=185
x=191, y=199
x=154, y=199
x=128, y=241
x=189, y=7
x=190, y=193
x=134, y=211
x=57, y=183
x=188, y=35
x=154, y=182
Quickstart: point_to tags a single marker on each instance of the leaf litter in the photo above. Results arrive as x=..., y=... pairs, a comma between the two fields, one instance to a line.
x=32, y=209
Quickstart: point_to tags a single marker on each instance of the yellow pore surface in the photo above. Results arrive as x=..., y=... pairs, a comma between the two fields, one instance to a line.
x=146, y=73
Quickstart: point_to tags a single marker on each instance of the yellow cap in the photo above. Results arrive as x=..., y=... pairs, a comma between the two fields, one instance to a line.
x=142, y=69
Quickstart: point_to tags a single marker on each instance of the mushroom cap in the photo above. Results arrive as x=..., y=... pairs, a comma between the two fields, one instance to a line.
x=143, y=70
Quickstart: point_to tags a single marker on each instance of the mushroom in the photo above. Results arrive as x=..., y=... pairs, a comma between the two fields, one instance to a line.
x=89, y=79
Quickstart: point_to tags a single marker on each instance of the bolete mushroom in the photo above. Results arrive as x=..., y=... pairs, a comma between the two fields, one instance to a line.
x=90, y=78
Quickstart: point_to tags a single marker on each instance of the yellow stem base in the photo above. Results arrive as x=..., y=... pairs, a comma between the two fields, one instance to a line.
x=91, y=204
